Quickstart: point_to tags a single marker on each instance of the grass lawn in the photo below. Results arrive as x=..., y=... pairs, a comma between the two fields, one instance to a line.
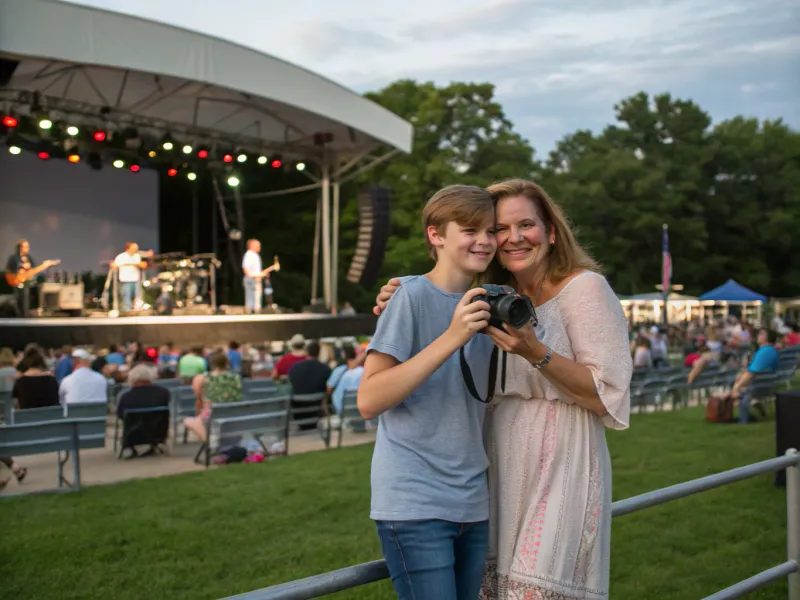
x=226, y=531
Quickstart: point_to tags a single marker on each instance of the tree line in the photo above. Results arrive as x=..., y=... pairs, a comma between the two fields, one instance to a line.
x=730, y=192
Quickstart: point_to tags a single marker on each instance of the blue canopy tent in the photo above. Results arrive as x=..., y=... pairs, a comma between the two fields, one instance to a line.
x=732, y=293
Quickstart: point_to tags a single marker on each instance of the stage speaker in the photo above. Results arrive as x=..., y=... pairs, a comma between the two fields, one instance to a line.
x=54, y=297
x=787, y=427
x=374, y=216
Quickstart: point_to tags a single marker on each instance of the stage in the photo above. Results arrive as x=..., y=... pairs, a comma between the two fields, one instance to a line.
x=184, y=331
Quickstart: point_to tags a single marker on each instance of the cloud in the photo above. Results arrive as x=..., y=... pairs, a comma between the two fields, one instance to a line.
x=326, y=40
x=557, y=66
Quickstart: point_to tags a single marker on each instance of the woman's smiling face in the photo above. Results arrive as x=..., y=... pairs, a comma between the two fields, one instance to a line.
x=522, y=237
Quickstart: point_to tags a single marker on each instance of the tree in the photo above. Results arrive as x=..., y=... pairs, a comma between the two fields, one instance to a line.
x=461, y=135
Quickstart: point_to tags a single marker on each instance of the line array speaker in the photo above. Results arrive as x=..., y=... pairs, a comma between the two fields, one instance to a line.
x=374, y=215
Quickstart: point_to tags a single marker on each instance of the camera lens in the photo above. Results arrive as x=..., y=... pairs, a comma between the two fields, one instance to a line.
x=518, y=313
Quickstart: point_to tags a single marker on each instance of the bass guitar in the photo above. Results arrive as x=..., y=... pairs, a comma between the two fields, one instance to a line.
x=23, y=275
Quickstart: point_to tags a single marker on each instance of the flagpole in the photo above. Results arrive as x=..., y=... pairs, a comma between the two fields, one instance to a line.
x=665, y=272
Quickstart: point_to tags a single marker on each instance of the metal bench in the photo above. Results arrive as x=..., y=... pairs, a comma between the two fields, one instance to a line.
x=229, y=422
x=60, y=435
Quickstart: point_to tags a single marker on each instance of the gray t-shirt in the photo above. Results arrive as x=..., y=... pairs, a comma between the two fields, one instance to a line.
x=429, y=461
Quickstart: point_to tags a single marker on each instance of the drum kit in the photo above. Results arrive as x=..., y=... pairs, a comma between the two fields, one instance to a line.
x=181, y=281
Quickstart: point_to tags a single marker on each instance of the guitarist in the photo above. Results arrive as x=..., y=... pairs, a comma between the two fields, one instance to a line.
x=255, y=276
x=21, y=271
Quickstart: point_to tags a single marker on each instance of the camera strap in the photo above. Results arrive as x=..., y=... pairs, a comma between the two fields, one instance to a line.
x=470, y=382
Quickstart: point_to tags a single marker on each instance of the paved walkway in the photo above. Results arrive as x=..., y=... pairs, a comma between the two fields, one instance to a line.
x=101, y=466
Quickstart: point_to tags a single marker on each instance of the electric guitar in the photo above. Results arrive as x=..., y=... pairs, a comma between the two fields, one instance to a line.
x=276, y=266
x=23, y=275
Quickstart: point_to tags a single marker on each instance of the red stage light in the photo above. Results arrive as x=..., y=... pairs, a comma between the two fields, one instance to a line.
x=135, y=168
x=204, y=154
x=172, y=172
x=10, y=121
x=228, y=158
x=276, y=164
x=44, y=155
x=151, y=352
x=99, y=136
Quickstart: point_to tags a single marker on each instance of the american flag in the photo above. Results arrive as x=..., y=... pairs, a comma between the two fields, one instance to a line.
x=666, y=262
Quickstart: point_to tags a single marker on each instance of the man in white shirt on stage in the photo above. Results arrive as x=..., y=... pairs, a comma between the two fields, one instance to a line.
x=130, y=264
x=253, y=276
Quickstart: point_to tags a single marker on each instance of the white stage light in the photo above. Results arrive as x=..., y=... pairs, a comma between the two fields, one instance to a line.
x=14, y=149
x=301, y=166
x=241, y=158
x=168, y=146
x=72, y=130
x=45, y=123
x=118, y=163
x=233, y=181
x=191, y=176
x=187, y=149
x=262, y=160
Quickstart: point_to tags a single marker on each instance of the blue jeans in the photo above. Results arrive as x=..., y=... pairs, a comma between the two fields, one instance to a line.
x=252, y=294
x=128, y=294
x=433, y=559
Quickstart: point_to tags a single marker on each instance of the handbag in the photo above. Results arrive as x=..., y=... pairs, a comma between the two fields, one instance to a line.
x=719, y=409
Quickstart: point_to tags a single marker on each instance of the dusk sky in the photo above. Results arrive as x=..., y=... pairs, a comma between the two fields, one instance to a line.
x=558, y=66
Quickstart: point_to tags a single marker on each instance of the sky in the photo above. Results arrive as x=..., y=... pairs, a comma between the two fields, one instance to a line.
x=558, y=66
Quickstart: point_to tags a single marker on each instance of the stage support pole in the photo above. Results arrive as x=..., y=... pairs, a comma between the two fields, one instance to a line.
x=315, y=264
x=195, y=222
x=326, y=233
x=335, y=252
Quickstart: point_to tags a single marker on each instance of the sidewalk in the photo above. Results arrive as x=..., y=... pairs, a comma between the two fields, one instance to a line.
x=101, y=466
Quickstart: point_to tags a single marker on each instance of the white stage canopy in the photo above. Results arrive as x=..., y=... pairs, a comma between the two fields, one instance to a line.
x=86, y=61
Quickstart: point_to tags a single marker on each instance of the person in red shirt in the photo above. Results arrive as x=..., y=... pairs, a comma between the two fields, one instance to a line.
x=296, y=354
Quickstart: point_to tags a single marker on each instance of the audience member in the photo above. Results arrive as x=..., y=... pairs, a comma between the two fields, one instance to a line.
x=191, y=365
x=149, y=429
x=36, y=387
x=296, y=354
x=64, y=365
x=220, y=385
x=346, y=377
x=765, y=360
x=83, y=385
x=8, y=373
x=234, y=356
x=143, y=393
x=309, y=376
x=114, y=356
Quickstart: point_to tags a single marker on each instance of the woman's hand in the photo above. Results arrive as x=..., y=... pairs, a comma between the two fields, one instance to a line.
x=387, y=291
x=521, y=341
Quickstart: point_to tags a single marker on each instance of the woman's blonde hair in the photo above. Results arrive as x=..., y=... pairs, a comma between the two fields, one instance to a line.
x=566, y=255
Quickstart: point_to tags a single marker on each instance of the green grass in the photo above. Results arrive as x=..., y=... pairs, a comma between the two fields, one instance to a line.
x=212, y=534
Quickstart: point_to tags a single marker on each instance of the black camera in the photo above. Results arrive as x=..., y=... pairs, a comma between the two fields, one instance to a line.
x=507, y=306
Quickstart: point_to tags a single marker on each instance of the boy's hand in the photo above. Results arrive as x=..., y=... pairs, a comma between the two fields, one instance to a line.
x=470, y=317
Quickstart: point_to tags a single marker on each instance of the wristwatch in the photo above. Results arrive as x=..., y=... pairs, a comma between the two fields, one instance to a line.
x=545, y=361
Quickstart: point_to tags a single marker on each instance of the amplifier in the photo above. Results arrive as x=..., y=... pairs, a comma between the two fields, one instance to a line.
x=60, y=296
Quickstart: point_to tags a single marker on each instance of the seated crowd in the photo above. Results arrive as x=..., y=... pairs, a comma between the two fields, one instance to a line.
x=39, y=378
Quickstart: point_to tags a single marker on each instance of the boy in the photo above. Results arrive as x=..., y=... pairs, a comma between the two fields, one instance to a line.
x=429, y=489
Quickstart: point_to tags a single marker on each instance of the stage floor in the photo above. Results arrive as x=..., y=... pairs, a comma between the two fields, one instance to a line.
x=180, y=330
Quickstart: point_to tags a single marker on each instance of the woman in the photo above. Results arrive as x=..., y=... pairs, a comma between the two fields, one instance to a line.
x=220, y=385
x=567, y=379
x=642, y=357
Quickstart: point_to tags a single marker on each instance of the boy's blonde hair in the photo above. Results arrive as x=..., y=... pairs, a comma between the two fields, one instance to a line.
x=466, y=205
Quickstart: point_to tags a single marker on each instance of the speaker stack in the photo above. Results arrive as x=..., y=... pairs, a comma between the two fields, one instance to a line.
x=374, y=210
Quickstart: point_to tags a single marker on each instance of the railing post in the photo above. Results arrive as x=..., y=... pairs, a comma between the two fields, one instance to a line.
x=793, y=523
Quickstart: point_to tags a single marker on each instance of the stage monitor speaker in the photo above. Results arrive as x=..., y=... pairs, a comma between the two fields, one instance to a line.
x=374, y=215
x=55, y=297
x=787, y=427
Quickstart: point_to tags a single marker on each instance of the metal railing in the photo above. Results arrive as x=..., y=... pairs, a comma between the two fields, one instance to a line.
x=357, y=575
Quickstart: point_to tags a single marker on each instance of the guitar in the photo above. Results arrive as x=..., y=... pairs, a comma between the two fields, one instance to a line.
x=276, y=266
x=23, y=275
